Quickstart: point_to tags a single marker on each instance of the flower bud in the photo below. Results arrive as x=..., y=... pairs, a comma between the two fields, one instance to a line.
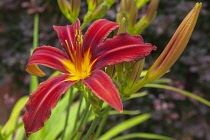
x=97, y=10
x=147, y=18
x=110, y=70
x=64, y=6
x=176, y=45
x=135, y=73
x=91, y=5
x=141, y=3
x=128, y=9
x=173, y=50
x=123, y=26
x=70, y=10
x=100, y=11
x=75, y=9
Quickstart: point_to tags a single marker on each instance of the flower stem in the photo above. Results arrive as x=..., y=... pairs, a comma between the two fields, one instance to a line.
x=95, y=123
x=92, y=127
x=68, y=112
x=101, y=125
x=36, y=31
x=78, y=112
x=83, y=25
x=137, y=86
x=34, y=80
x=83, y=120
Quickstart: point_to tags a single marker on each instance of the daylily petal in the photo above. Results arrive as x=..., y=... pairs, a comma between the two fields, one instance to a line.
x=66, y=34
x=102, y=86
x=47, y=56
x=41, y=101
x=35, y=70
x=97, y=32
x=121, y=48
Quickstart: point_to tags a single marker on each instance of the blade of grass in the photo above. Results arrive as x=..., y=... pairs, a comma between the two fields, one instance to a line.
x=34, y=80
x=184, y=92
x=10, y=125
x=143, y=136
x=124, y=126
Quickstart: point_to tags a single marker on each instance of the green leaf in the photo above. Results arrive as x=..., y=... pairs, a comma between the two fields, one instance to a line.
x=54, y=126
x=143, y=136
x=184, y=92
x=33, y=84
x=73, y=117
x=124, y=126
x=20, y=133
x=125, y=112
x=138, y=95
x=55, y=74
x=10, y=126
x=141, y=3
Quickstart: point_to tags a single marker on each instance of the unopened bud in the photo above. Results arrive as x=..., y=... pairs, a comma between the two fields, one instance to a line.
x=134, y=75
x=176, y=45
x=147, y=18
x=173, y=50
x=70, y=10
x=100, y=11
x=123, y=26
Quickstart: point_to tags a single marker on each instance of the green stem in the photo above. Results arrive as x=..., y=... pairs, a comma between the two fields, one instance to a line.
x=137, y=86
x=79, y=130
x=101, y=125
x=85, y=116
x=184, y=92
x=34, y=80
x=92, y=127
x=83, y=25
x=95, y=123
x=78, y=112
x=36, y=31
x=68, y=112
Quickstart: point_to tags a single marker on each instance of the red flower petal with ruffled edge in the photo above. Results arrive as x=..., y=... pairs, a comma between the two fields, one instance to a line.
x=97, y=32
x=41, y=101
x=48, y=56
x=92, y=54
x=101, y=85
x=123, y=47
x=67, y=33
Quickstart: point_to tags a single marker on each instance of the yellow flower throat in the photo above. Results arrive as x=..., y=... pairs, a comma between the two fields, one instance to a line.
x=79, y=65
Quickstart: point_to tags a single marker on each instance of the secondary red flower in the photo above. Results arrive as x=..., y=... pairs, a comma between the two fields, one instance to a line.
x=81, y=60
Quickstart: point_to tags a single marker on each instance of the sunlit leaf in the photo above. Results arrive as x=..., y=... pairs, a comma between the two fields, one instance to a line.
x=124, y=126
x=143, y=136
x=184, y=92
x=55, y=124
x=10, y=125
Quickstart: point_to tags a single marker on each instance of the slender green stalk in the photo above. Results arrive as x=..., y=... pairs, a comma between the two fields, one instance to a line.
x=137, y=86
x=85, y=116
x=81, y=128
x=83, y=25
x=83, y=120
x=78, y=112
x=34, y=79
x=92, y=127
x=101, y=125
x=68, y=112
x=95, y=123
x=184, y=92
x=36, y=31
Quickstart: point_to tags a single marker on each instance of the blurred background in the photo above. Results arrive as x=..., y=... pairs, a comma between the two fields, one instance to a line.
x=173, y=114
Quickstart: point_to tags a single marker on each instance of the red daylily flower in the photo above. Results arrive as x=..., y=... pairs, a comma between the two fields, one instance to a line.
x=81, y=60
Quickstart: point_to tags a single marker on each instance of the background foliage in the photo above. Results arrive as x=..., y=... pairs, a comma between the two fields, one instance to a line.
x=173, y=114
